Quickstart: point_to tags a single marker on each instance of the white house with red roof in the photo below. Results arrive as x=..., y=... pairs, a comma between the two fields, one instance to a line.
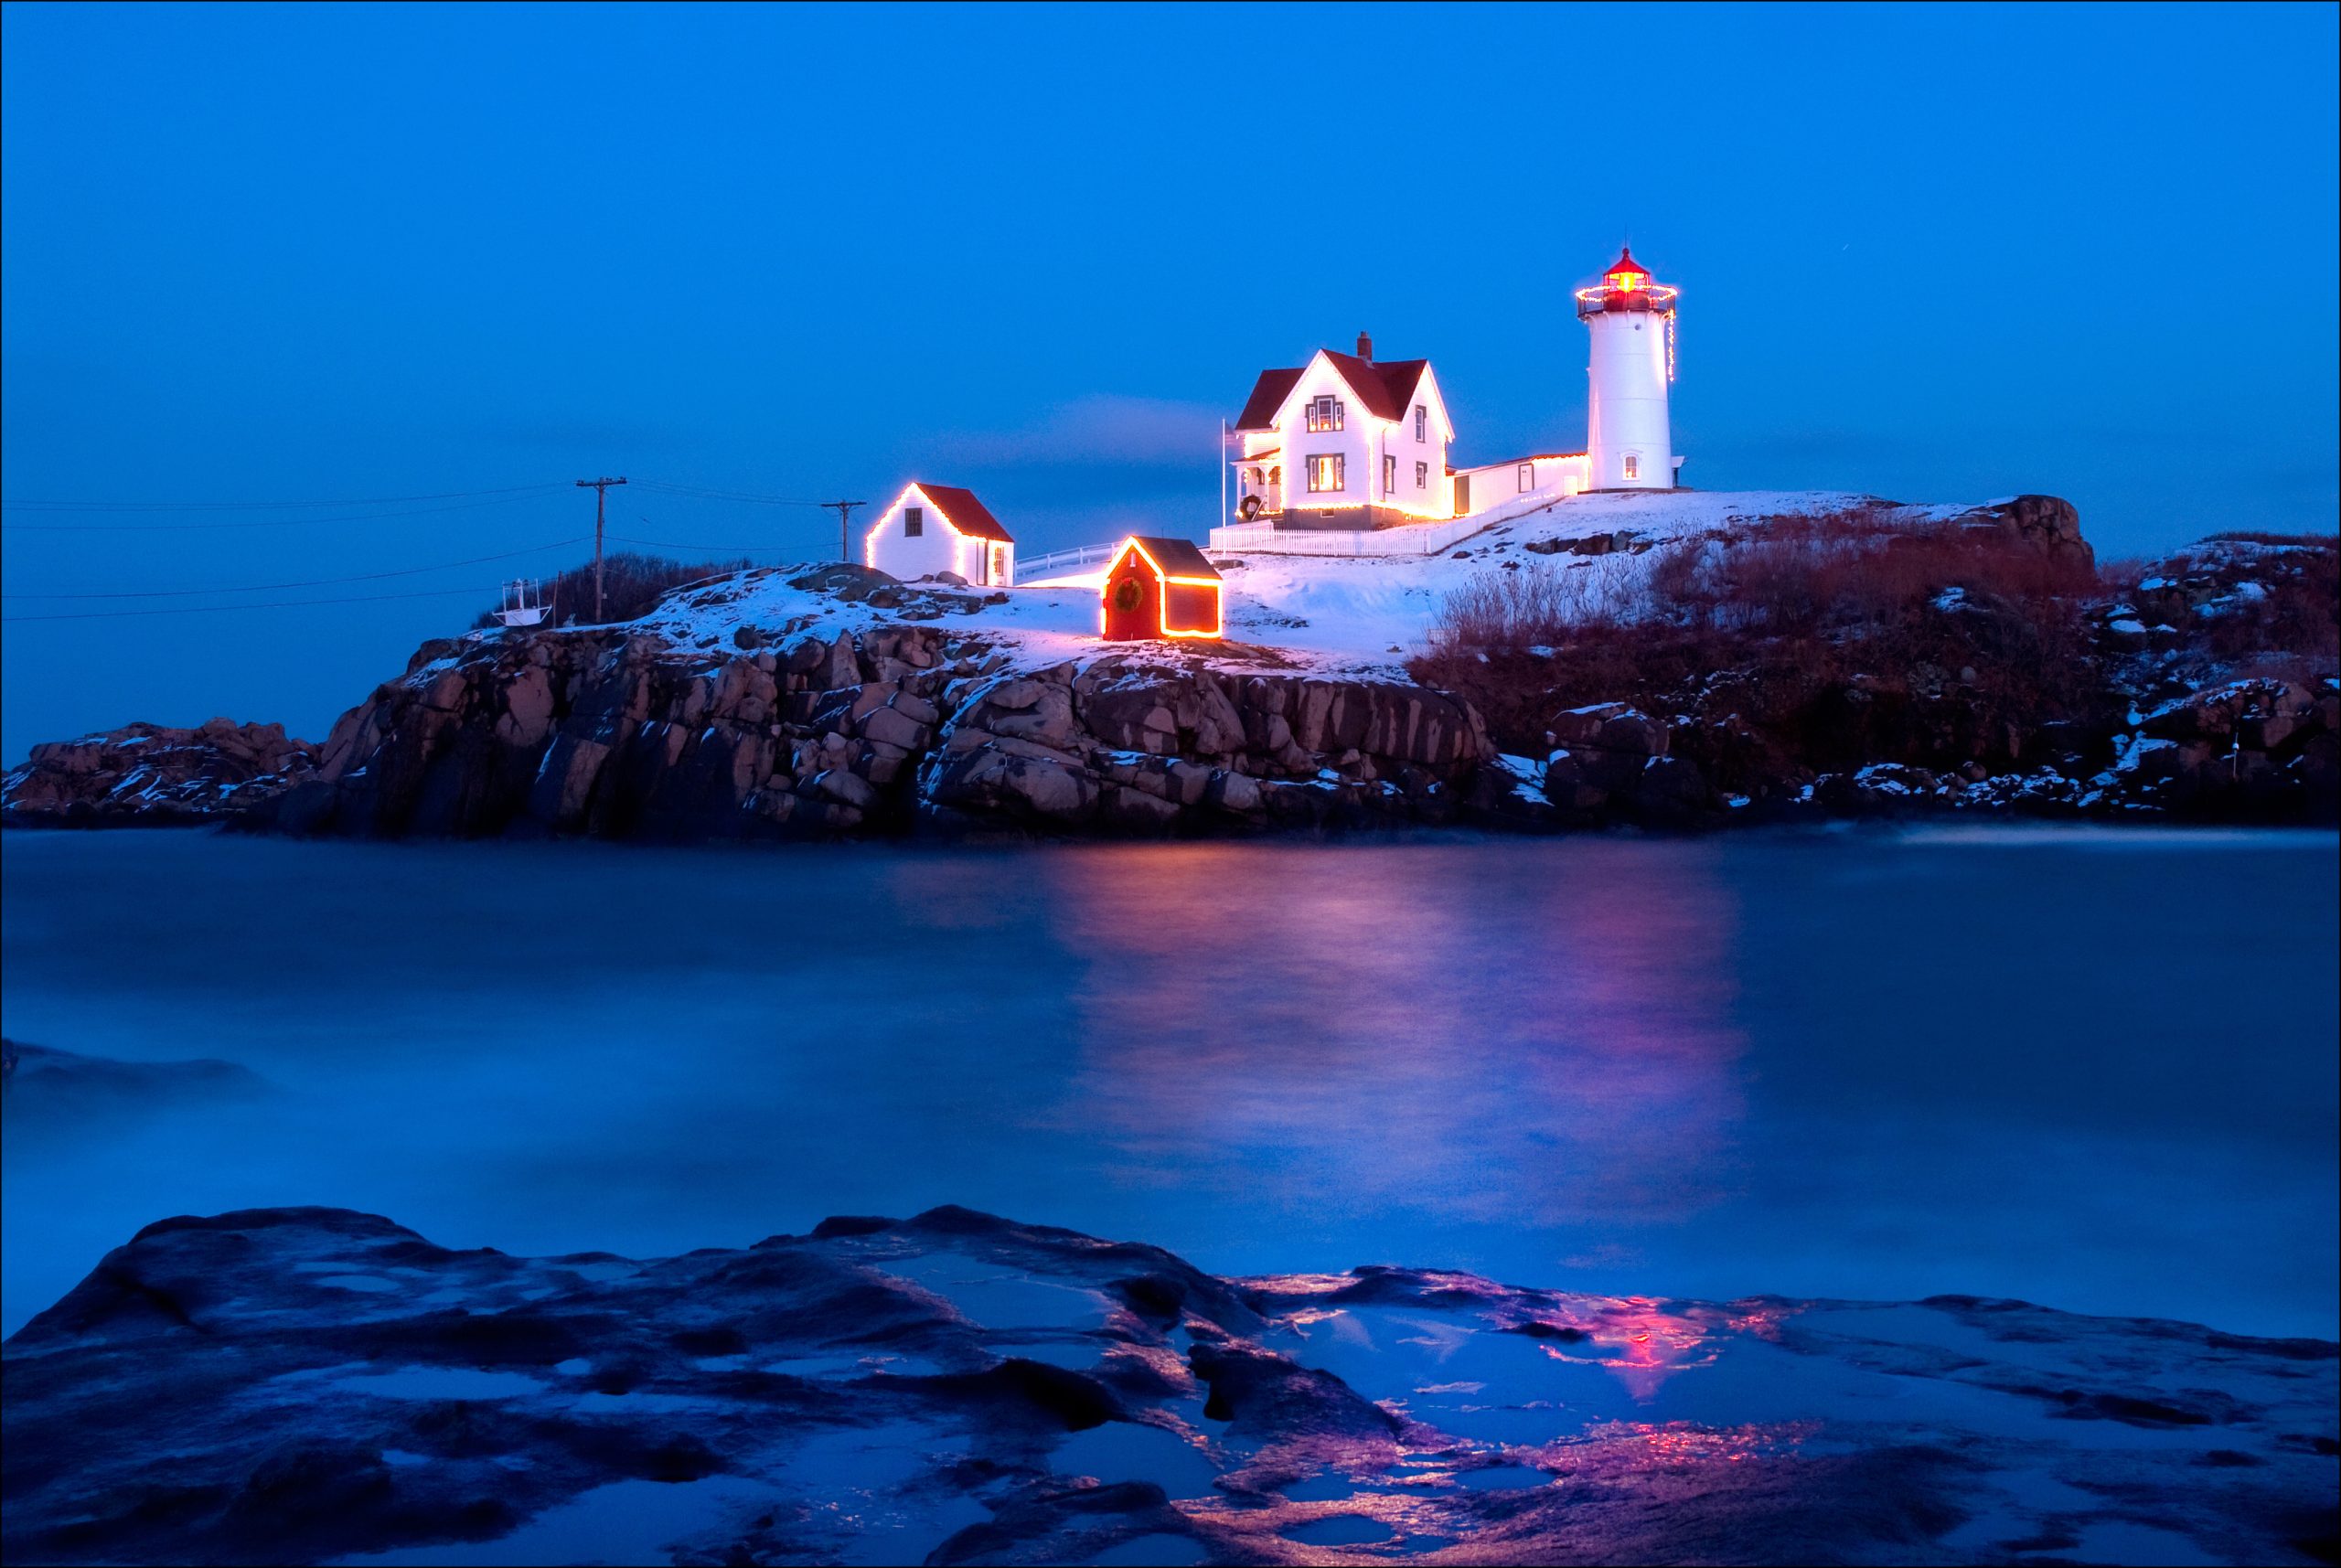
x=1343, y=442
x=933, y=529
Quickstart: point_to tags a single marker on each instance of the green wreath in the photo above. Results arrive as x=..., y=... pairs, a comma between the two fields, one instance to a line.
x=1126, y=594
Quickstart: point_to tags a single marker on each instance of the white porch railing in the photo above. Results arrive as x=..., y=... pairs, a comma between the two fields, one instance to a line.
x=1058, y=562
x=1407, y=539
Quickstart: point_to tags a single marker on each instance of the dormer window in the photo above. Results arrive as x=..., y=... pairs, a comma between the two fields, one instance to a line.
x=1324, y=413
x=1422, y=422
x=913, y=521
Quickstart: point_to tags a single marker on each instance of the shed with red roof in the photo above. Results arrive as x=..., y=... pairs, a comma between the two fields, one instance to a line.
x=1159, y=588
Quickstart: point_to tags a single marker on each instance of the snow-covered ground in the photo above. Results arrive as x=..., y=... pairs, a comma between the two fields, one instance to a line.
x=1365, y=615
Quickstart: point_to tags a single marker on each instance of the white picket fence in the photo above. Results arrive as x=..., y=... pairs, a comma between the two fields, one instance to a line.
x=1409, y=539
x=1060, y=562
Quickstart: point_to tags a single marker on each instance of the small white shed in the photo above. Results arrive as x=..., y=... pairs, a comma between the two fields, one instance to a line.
x=930, y=528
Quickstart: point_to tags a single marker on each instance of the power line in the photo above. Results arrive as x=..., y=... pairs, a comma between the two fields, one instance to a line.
x=265, y=522
x=704, y=493
x=311, y=582
x=266, y=505
x=266, y=605
x=722, y=548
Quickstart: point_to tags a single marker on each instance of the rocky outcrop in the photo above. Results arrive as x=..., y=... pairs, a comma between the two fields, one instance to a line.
x=1610, y=756
x=881, y=730
x=310, y=1384
x=1128, y=744
x=2204, y=691
x=2049, y=524
x=2205, y=688
x=153, y=775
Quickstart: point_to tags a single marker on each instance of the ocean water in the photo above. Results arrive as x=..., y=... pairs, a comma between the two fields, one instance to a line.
x=2092, y=1070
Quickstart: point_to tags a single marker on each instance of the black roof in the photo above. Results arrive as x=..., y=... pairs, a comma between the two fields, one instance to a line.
x=1177, y=558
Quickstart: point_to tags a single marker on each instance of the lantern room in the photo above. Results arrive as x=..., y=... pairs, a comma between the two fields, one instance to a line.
x=1159, y=588
x=1626, y=285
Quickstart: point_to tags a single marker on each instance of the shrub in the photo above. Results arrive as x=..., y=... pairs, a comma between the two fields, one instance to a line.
x=631, y=584
x=1835, y=634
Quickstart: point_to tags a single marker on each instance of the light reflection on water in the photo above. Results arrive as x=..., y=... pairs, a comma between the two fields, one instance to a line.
x=1510, y=1045
x=2065, y=1070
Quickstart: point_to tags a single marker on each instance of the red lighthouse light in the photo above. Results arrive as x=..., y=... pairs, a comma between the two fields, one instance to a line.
x=1628, y=276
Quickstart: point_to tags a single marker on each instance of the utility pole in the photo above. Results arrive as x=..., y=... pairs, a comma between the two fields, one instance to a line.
x=844, y=510
x=600, y=488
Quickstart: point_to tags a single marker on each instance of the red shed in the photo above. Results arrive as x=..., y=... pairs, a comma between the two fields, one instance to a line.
x=1159, y=588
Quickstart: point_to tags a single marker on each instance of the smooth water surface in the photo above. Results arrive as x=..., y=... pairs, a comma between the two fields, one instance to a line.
x=2094, y=1071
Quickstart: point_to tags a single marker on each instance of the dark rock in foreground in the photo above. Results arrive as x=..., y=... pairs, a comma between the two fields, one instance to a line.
x=300, y=1384
x=153, y=775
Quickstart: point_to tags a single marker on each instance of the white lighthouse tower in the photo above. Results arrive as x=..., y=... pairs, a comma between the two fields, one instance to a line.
x=1631, y=318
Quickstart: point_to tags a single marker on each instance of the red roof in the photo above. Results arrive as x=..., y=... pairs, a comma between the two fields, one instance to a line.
x=965, y=513
x=1384, y=387
x=1268, y=394
x=1626, y=264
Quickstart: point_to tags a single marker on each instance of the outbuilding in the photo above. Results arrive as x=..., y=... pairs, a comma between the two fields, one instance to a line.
x=1159, y=588
x=932, y=528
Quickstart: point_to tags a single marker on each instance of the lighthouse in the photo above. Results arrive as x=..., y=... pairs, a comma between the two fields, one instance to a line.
x=1631, y=318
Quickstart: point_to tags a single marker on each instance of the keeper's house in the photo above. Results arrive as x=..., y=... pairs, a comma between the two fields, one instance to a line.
x=1345, y=442
x=933, y=529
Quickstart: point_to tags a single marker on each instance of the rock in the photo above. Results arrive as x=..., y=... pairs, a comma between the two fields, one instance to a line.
x=1049, y=790
x=848, y=788
x=895, y=728
x=1633, y=733
x=315, y=1384
x=1582, y=726
x=1234, y=792
x=154, y=776
x=1570, y=784
x=1671, y=792
x=1014, y=696
x=2048, y=523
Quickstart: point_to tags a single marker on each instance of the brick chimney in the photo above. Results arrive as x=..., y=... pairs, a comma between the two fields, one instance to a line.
x=1365, y=347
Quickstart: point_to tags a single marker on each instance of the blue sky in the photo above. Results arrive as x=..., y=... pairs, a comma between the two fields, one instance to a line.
x=325, y=253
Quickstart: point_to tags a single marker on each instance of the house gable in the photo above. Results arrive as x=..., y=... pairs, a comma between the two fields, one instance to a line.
x=958, y=534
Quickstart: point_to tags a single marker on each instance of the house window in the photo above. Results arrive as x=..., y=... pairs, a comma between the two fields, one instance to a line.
x=1422, y=422
x=1389, y=475
x=913, y=521
x=1528, y=477
x=1422, y=476
x=1633, y=466
x=1327, y=471
x=1325, y=413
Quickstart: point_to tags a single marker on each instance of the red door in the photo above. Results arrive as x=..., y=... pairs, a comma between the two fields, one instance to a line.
x=1133, y=599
